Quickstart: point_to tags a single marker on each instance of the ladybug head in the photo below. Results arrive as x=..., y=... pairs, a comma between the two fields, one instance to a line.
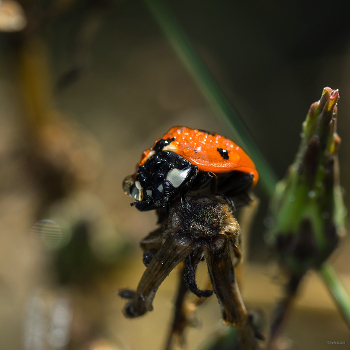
x=163, y=177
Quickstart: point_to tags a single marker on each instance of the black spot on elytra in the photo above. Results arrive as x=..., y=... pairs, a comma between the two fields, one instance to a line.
x=207, y=132
x=223, y=153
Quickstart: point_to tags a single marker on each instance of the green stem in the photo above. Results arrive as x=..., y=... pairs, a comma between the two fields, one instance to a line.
x=210, y=89
x=337, y=290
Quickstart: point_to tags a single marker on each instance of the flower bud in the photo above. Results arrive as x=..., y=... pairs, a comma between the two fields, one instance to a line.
x=307, y=207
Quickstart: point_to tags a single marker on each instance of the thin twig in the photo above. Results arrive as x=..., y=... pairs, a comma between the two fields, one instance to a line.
x=179, y=320
x=282, y=311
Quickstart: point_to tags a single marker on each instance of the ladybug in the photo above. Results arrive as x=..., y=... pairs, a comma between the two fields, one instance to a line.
x=190, y=161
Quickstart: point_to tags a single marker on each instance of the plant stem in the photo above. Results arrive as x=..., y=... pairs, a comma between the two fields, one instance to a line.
x=337, y=291
x=210, y=89
x=180, y=320
x=282, y=311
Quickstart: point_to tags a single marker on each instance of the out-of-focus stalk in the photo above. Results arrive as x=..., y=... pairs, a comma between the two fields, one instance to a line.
x=210, y=89
x=337, y=290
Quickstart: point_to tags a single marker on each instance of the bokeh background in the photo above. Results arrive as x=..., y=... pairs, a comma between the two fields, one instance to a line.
x=85, y=87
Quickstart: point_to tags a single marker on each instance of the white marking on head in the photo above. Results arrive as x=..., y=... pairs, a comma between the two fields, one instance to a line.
x=171, y=147
x=160, y=188
x=149, y=193
x=176, y=176
x=136, y=191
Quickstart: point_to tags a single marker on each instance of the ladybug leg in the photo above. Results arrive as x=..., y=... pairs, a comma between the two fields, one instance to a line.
x=191, y=263
x=205, y=178
x=184, y=203
x=213, y=183
x=148, y=256
x=237, y=185
x=228, y=200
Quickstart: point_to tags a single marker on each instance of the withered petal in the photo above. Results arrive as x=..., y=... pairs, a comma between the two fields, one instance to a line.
x=175, y=249
x=225, y=286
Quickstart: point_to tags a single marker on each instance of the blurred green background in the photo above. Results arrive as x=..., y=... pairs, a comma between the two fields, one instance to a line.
x=114, y=86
